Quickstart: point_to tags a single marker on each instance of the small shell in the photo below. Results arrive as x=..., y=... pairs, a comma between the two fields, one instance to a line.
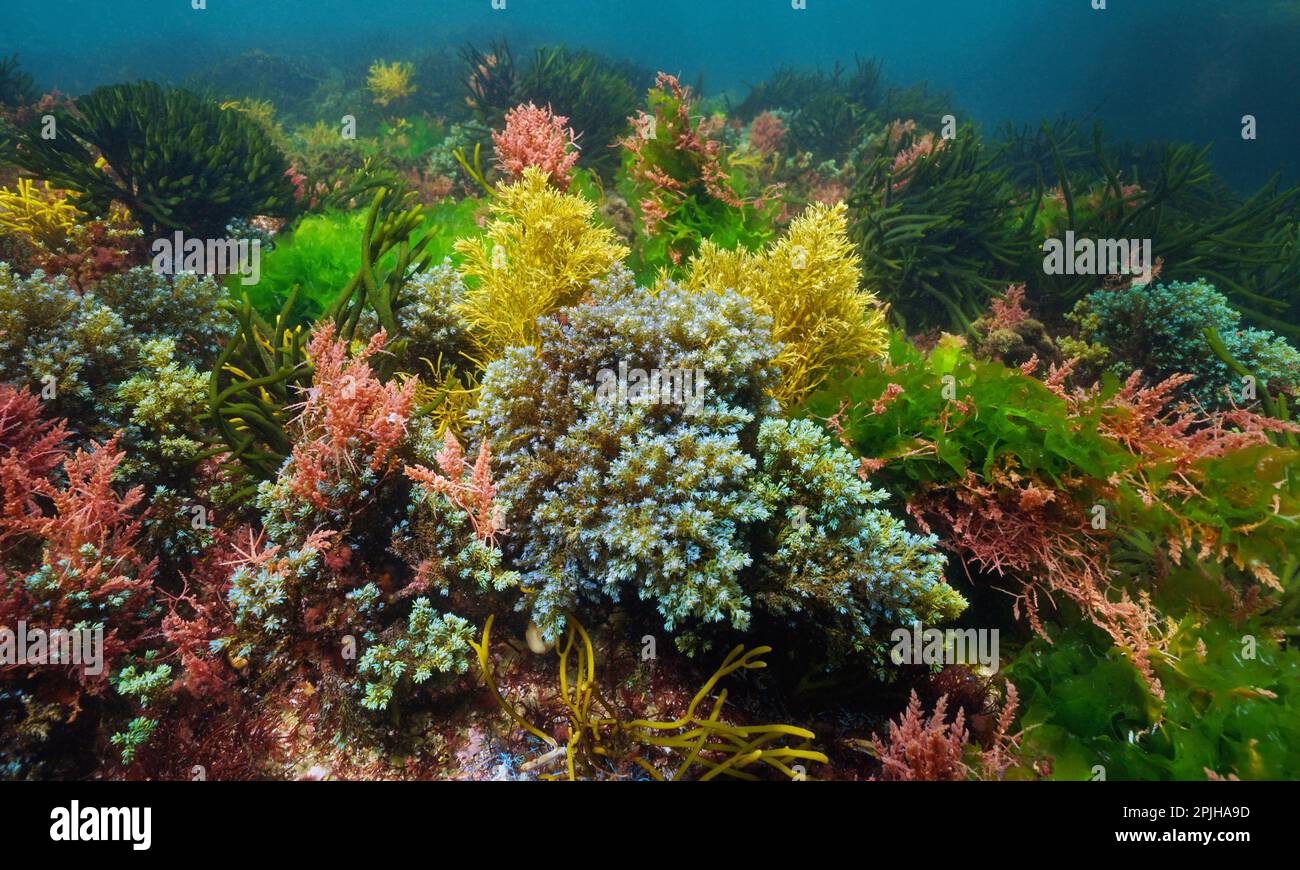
x=536, y=642
x=236, y=662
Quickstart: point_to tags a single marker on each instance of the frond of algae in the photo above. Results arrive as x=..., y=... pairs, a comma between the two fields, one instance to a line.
x=446, y=395
x=390, y=82
x=541, y=250
x=41, y=214
x=808, y=283
x=704, y=745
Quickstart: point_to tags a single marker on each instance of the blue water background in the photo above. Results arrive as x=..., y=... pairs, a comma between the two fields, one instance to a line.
x=1150, y=69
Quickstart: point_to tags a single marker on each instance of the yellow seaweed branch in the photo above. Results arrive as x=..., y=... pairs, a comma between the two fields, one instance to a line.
x=390, y=82
x=42, y=214
x=703, y=743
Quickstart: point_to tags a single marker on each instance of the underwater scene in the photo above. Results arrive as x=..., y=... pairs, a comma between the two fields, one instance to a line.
x=650, y=390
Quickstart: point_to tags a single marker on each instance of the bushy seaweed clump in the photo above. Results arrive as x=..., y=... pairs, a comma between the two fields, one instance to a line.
x=807, y=282
x=429, y=320
x=74, y=559
x=128, y=361
x=318, y=257
x=706, y=504
x=75, y=349
x=40, y=229
x=828, y=126
x=295, y=592
x=1224, y=714
x=1116, y=505
x=322, y=253
x=177, y=161
x=1160, y=329
x=539, y=138
x=937, y=227
x=164, y=404
x=16, y=87
x=39, y=215
x=836, y=560
x=1169, y=194
x=55, y=341
x=1010, y=334
x=540, y=250
x=449, y=539
x=830, y=112
x=596, y=95
x=682, y=185
x=391, y=82
x=431, y=643
x=491, y=81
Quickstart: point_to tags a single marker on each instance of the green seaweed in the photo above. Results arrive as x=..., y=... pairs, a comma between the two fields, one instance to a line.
x=318, y=256
x=16, y=87
x=491, y=81
x=250, y=391
x=1230, y=706
x=940, y=239
x=322, y=254
x=1197, y=227
x=177, y=161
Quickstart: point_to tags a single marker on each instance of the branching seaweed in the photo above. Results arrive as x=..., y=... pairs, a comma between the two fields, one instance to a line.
x=701, y=743
x=937, y=229
x=250, y=389
x=491, y=81
x=1197, y=228
x=1275, y=407
x=177, y=161
x=594, y=94
x=377, y=287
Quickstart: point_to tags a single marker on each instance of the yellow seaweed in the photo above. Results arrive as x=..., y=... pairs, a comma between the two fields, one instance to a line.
x=704, y=744
x=808, y=283
x=540, y=252
x=41, y=214
x=390, y=82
